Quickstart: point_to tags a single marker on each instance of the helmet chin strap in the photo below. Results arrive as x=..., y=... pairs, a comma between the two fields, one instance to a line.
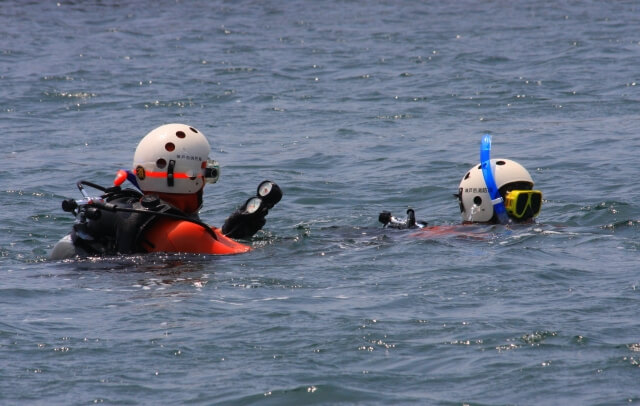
x=489, y=180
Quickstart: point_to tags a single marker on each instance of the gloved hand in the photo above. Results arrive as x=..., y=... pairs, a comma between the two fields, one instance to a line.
x=250, y=217
x=244, y=223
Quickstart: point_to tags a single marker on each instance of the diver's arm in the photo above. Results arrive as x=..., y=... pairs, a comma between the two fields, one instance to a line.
x=169, y=235
x=242, y=224
x=249, y=218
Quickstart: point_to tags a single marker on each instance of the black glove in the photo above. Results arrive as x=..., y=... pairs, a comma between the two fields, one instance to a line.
x=242, y=224
x=385, y=217
x=250, y=217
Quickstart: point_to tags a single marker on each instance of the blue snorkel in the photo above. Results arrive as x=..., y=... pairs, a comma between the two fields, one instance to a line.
x=489, y=180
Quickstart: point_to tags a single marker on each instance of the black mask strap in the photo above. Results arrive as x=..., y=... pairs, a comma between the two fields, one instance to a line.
x=172, y=165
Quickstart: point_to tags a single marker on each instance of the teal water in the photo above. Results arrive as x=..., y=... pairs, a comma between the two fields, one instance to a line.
x=352, y=108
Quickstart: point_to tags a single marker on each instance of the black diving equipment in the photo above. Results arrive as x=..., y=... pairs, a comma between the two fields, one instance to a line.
x=389, y=221
x=250, y=217
x=98, y=231
x=523, y=204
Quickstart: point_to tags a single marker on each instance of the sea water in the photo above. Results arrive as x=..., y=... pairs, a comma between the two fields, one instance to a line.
x=352, y=107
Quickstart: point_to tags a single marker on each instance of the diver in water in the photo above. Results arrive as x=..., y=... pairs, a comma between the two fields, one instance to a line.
x=171, y=166
x=515, y=201
x=497, y=191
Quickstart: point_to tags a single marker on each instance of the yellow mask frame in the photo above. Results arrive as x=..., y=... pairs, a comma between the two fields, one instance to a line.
x=523, y=203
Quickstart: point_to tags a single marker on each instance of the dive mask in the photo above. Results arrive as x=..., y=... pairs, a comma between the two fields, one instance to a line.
x=211, y=171
x=523, y=204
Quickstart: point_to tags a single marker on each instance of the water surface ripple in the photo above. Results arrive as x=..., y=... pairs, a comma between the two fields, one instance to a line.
x=353, y=108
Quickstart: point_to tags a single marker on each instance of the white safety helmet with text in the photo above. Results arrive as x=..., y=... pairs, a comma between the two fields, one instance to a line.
x=174, y=158
x=475, y=202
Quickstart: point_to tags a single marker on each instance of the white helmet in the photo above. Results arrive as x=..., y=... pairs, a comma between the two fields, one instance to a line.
x=475, y=202
x=174, y=158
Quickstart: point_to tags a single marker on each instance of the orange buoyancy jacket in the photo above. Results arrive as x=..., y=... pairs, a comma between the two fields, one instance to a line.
x=172, y=235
